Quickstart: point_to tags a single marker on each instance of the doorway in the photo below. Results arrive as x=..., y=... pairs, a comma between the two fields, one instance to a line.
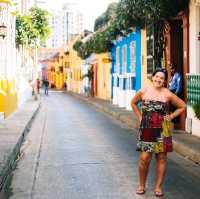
x=176, y=55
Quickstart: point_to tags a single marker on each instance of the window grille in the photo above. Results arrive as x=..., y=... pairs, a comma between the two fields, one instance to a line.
x=133, y=57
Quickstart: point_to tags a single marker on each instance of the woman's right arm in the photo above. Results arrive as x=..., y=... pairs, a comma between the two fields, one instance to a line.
x=134, y=101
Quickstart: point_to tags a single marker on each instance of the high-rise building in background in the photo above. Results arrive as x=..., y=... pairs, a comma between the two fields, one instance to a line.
x=65, y=24
x=25, y=5
x=41, y=3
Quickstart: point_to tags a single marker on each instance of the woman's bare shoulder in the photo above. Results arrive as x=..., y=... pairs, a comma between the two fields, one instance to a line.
x=168, y=94
x=144, y=89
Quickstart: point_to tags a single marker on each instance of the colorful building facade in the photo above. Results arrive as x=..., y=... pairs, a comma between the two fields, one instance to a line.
x=73, y=69
x=101, y=81
x=193, y=77
x=8, y=69
x=126, y=68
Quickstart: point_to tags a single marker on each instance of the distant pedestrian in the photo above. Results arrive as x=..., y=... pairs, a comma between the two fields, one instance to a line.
x=38, y=85
x=46, y=86
x=66, y=89
x=154, y=132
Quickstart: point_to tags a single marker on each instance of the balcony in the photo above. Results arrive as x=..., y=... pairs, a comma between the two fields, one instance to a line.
x=193, y=88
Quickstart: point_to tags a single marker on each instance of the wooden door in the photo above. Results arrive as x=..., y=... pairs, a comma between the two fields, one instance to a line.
x=178, y=54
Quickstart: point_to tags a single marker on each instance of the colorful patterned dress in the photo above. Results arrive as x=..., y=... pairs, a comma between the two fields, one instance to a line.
x=154, y=133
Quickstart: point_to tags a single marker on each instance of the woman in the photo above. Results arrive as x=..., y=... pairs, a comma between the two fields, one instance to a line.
x=154, y=134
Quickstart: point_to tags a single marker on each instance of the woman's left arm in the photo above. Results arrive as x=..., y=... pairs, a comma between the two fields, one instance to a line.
x=179, y=103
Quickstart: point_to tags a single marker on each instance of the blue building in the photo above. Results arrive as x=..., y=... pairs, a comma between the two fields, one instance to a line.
x=126, y=68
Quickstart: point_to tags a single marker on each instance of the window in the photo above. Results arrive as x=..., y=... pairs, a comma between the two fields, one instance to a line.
x=150, y=50
x=66, y=64
x=117, y=60
x=130, y=83
x=61, y=69
x=124, y=55
x=133, y=57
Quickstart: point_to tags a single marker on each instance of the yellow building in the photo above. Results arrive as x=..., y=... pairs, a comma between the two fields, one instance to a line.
x=102, y=76
x=8, y=93
x=144, y=79
x=55, y=71
x=73, y=68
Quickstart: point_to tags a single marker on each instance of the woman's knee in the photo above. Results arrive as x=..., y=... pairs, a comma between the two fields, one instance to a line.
x=161, y=158
x=145, y=159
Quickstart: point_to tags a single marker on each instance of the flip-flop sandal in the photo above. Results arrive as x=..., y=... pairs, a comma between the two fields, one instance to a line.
x=158, y=194
x=140, y=191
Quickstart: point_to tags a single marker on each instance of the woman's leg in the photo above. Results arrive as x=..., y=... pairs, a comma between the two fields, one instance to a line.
x=144, y=161
x=161, y=160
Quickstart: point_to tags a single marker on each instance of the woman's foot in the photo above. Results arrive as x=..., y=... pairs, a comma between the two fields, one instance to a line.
x=140, y=191
x=158, y=193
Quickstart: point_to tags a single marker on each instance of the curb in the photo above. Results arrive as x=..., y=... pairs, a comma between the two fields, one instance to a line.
x=186, y=151
x=178, y=146
x=11, y=160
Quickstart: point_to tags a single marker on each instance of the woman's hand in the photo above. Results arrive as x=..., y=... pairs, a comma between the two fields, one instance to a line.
x=179, y=104
x=140, y=118
x=168, y=118
x=134, y=106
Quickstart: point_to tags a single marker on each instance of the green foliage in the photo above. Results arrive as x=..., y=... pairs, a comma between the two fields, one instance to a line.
x=25, y=32
x=107, y=16
x=130, y=13
x=32, y=28
x=153, y=13
x=196, y=109
x=100, y=42
x=40, y=22
x=77, y=45
x=121, y=18
x=83, y=49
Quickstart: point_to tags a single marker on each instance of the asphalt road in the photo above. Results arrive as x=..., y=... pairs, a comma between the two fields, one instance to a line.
x=76, y=152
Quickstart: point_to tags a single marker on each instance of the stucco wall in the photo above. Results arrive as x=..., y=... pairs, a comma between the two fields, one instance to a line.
x=194, y=43
x=192, y=123
x=103, y=77
x=144, y=79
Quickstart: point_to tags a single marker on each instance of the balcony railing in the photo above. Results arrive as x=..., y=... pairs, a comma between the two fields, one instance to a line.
x=193, y=89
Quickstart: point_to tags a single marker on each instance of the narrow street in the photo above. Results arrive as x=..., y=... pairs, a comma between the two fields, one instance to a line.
x=75, y=152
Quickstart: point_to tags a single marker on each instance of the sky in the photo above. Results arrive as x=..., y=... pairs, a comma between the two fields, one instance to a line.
x=91, y=9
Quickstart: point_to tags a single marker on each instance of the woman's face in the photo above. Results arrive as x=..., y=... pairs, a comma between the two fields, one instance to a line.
x=158, y=79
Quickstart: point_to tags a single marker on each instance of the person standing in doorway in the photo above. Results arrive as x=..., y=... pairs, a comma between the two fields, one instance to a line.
x=176, y=81
x=154, y=133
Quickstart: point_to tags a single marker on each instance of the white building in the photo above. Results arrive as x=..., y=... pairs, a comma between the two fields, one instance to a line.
x=8, y=69
x=26, y=59
x=7, y=43
x=25, y=5
x=41, y=3
x=192, y=123
x=65, y=24
x=55, y=22
x=194, y=11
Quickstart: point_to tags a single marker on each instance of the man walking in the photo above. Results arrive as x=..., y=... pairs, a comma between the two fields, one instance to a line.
x=46, y=87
